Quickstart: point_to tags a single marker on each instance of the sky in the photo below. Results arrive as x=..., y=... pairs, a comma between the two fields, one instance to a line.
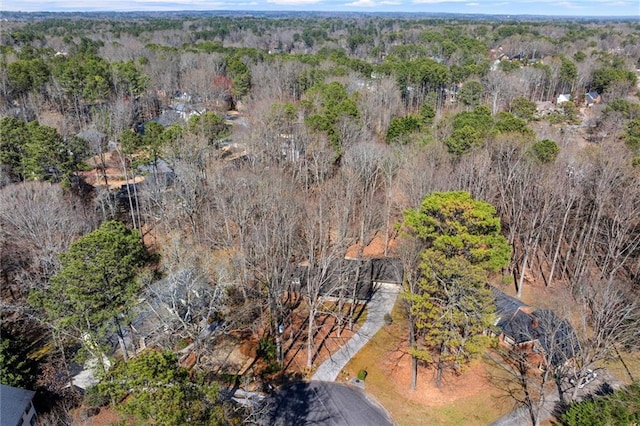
x=498, y=7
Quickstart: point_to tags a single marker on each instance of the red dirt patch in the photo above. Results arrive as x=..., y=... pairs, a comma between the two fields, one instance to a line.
x=374, y=249
x=105, y=417
x=472, y=381
x=326, y=341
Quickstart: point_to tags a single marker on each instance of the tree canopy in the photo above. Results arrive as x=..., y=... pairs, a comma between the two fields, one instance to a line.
x=620, y=408
x=96, y=282
x=156, y=390
x=455, y=224
x=38, y=152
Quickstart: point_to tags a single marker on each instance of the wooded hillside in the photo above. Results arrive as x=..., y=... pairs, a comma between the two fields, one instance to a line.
x=240, y=149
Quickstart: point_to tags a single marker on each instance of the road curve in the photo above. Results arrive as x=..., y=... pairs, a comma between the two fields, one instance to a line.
x=381, y=303
x=322, y=403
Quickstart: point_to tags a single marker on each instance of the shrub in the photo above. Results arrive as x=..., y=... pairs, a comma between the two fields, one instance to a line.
x=619, y=408
x=268, y=351
x=546, y=150
x=93, y=398
x=362, y=374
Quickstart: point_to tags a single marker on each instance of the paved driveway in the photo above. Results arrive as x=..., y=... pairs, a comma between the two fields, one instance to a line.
x=323, y=403
x=380, y=304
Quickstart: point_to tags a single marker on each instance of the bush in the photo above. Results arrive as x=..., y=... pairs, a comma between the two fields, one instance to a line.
x=619, y=408
x=268, y=351
x=362, y=374
x=546, y=150
x=267, y=348
x=401, y=127
x=93, y=398
x=388, y=319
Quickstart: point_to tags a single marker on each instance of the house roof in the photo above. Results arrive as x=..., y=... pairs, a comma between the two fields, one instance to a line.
x=93, y=135
x=387, y=270
x=522, y=327
x=161, y=166
x=168, y=118
x=556, y=336
x=565, y=97
x=327, y=278
x=506, y=306
x=516, y=320
x=359, y=273
x=592, y=96
x=13, y=403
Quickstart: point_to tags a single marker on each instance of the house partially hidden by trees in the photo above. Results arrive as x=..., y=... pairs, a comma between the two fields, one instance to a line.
x=347, y=278
x=538, y=334
x=16, y=407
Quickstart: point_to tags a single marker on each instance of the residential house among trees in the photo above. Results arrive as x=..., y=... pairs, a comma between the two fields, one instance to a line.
x=547, y=340
x=592, y=98
x=340, y=277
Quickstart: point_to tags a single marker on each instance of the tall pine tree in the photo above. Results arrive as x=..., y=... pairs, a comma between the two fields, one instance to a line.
x=96, y=285
x=450, y=307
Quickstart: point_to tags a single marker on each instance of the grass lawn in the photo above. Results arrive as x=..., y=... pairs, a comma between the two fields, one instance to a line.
x=631, y=361
x=467, y=399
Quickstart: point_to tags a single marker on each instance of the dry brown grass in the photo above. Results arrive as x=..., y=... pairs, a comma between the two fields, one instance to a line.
x=467, y=399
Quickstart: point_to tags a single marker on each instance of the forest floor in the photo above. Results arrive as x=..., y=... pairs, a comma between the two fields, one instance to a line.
x=327, y=340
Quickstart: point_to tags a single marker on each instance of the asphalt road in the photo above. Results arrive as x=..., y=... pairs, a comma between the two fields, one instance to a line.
x=323, y=403
x=381, y=303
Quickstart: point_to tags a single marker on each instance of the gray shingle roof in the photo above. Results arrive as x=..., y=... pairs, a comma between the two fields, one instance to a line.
x=13, y=403
x=556, y=336
x=506, y=306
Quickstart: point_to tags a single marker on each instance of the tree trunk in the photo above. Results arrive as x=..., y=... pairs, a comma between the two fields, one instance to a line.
x=559, y=243
x=121, y=342
x=414, y=359
x=523, y=268
x=414, y=372
x=439, y=372
x=310, y=354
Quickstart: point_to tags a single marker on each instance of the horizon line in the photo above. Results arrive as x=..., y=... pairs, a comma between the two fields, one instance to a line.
x=336, y=12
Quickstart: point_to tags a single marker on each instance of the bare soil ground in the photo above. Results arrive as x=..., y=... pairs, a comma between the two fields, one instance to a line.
x=397, y=367
x=112, y=172
x=374, y=249
x=327, y=340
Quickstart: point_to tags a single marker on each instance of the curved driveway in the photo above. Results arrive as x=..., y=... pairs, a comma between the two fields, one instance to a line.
x=380, y=304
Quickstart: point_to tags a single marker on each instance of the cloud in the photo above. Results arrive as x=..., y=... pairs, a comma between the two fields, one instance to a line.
x=545, y=7
x=569, y=5
x=362, y=3
x=293, y=2
x=118, y=5
x=437, y=1
x=372, y=3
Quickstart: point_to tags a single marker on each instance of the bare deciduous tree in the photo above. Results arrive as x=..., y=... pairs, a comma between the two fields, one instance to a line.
x=40, y=220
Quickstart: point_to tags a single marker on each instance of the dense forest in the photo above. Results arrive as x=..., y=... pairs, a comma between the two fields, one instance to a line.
x=192, y=164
